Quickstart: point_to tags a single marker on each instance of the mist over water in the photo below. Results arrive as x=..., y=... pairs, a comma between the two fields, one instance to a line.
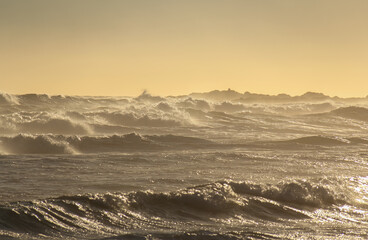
x=217, y=165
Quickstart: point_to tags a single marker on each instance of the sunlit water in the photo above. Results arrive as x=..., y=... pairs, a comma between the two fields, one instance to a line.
x=181, y=168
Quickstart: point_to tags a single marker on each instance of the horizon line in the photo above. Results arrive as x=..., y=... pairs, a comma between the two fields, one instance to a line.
x=179, y=95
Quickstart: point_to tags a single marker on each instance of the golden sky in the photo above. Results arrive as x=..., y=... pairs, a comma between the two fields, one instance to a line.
x=172, y=47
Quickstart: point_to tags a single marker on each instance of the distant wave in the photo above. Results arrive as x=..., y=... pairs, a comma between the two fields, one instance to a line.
x=88, y=123
x=352, y=112
x=144, y=209
x=32, y=97
x=309, y=142
x=59, y=144
x=247, y=97
x=6, y=98
x=195, y=235
x=54, y=126
x=193, y=98
x=43, y=144
x=229, y=107
x=197, y=104
x=320, y=140
x=130, y=119
x=145, y=96
x=219, y=116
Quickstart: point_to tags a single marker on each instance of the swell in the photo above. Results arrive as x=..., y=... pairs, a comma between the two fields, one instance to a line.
x=59, y=144
x=144, y=209
x=353, y=112
x=319, y=140
x=350, y=112
x=312, y=142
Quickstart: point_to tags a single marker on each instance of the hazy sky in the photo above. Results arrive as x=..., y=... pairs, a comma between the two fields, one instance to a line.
x=171, y=47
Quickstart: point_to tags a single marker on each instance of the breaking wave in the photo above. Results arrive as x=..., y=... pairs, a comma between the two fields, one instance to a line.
x=6, y=98
x=223, y=113
x=144, y=209
x=297, y=193
x=145, y=96
x=43, y=144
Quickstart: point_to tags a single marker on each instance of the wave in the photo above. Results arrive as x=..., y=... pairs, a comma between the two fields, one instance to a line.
x=73, y=115
x=352, y=112
x=26, y=144
x=358, y=140
x=194, y=100
x=54, y=126
x=308, y=142
x=247, y=97
x=132, y=142
x=145, y=96
x=49, y=102
x=125, y=143
x=196, y=235
x=196, y=104
x=59, y=144
x=84, y=123
x=146, y=209
x=229, y=107
x=35, y=99
x=130, y=119
x=106, y=129
x=32, y=97
x=163, y=106
x=6, y=98
x=297, y=193
x=76, y=116
x=298, y=108
x=320, y=140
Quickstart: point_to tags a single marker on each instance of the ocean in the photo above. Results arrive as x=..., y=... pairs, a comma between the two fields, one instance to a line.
x=217, y=165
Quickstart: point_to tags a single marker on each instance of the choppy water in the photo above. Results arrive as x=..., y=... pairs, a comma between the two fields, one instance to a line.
x=205, y=166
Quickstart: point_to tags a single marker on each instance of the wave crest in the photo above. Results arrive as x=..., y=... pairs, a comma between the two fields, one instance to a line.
x=300, y=193
x=6, y=98
x=43, y=144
